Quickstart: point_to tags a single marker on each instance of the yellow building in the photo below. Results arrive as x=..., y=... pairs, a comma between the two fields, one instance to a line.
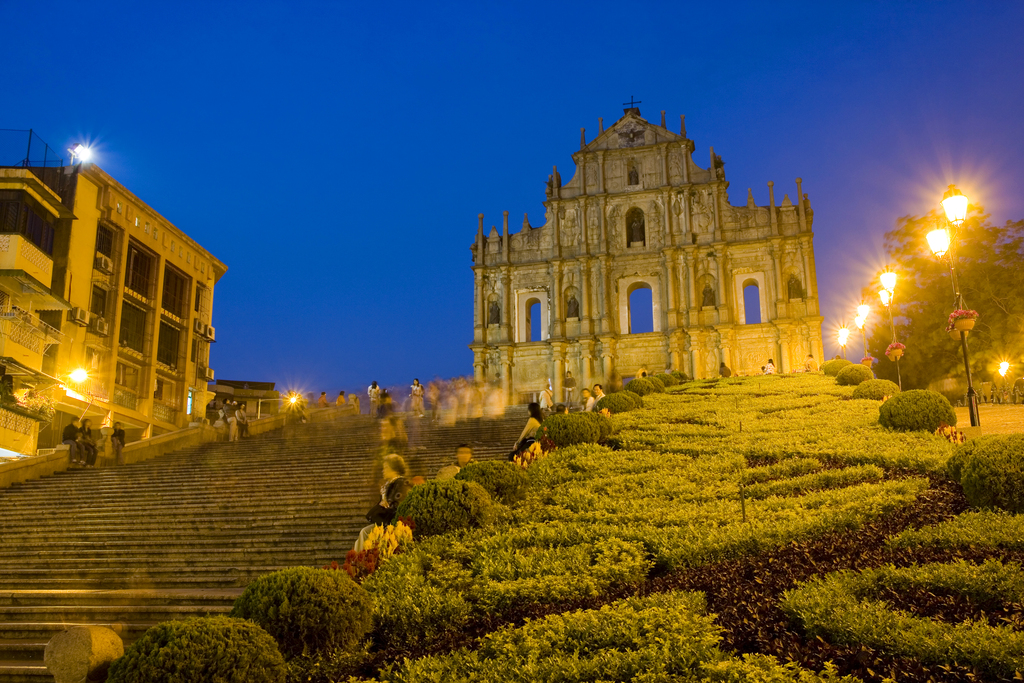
x=139, y=319
x=31, y=215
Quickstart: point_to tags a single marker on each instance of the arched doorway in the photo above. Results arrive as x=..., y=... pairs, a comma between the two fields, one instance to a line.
x=751, y=302
x=641, y=309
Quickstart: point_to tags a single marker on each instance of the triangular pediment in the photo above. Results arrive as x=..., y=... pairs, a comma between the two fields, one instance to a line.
x=630, y=132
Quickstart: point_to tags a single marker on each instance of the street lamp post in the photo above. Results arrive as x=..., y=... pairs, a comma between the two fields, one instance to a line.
x=886, y=293
x=843, y=335
x=862, y=319
x=942, y=243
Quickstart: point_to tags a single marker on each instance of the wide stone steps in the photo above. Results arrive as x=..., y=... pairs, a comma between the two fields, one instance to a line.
x=182, y=535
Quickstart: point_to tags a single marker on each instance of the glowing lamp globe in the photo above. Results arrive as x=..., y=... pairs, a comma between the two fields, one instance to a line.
x=863, y=311
x=79, y=375
x=888, y=279
x=859, y=320
x=843, y=334
x=1004, y=367
x=293, y=399
x=938, y=242
x=886, y=296
x=954, y=203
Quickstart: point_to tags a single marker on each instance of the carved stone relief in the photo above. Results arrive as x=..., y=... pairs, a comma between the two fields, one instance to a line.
x=631, y=134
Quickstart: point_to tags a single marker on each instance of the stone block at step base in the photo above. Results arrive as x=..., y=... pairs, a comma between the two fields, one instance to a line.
x=82, y=653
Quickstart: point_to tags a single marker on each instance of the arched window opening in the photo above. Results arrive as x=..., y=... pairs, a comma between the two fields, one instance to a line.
x=641, y=310
x=636, y=229
x=751, y=302
x=534, y=324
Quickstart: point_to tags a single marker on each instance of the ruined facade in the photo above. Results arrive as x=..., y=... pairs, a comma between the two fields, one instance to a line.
x=640, y=214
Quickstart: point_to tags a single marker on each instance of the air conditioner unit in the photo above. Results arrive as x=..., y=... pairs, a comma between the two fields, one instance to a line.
x=100, y=326
x=199, y=327
x=211, y=333
x=205, y=374
x=79, y=316
x=103, y=264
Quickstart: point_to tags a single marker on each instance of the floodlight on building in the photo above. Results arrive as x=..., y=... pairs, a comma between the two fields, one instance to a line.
x=79, y=375
x=293, y=400
x=938, y=242
x=954, y=203
x=79, y=152
x=888, y=279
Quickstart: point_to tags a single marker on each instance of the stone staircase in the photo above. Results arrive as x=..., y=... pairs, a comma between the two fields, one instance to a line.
x=181, y=535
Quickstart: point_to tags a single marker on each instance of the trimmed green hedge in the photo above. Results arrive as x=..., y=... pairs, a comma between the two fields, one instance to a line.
x=604, y=425
x=916, y=410
x=218, y=649
x=641, y=387
x=441, y=506
x=638, y=402
x=659, y=386
x=832, y=367
x=308, y=610
x=991, y=471
x=680, y=375
x=569, y=430
x=618, y=402
x=504, y=481
x=666, y=379
x=852, y=375
x=876, y=389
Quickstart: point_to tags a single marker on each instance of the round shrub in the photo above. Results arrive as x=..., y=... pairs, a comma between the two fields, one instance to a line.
x=667, y=379
x=637, y=401
x=680, y=375
x=852, y=375
x=504, y=481
x=604, y=425
x=640, y=387
x=441, y=506
x=659, y=386
x=832, y=367
x=615, y=403
x=308, y=610
x=991, y=471
x=876, y=389
x=568, y=430
x=201, y=649
x=916, y=410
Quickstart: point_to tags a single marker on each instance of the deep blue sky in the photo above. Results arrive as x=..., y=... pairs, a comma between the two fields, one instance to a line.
x=335, y=155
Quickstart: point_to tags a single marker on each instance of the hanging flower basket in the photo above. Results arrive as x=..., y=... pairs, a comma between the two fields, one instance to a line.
x=895, y=351
x=954, y=334
x=964, y=324
x=962, y=319
x=867, y=361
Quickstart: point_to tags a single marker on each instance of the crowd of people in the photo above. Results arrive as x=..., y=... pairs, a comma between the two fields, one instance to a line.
x=83, y=446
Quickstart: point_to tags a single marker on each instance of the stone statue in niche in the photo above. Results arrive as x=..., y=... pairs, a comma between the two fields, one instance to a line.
x=635, y=228
x=709, y=296
x=570, y=233
x=796, y=290
x=572, y=309
x=634, y=176
x=702, y=210
x=494, y=314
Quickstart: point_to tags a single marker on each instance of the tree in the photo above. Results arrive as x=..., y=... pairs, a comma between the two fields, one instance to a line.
x=991, y=276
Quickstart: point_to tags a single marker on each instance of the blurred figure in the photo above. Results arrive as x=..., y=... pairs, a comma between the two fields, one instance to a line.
x=88, y=443
x=463, y=457
x=769, y=367
x=354, y=402
x=723, y=370
x=393, y=489
x=340, y=401
x=529, y=433
x=561, y=409
x=416, y=398
x=642, y=372
x=598, y=392
x=322, y=401
x=69, y=437
x=434, y=396
x=117, y=441
x=587, y=400
x=393, y=436
x=373, y=392
x=386, y=406
x=547, y=400
x=614, y=381
x=569, y=385
x=810, y=365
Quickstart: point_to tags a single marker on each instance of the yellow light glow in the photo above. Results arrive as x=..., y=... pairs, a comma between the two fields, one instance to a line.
x=843, y=334
x=863, y=311
x=293, y=399
x=888, y=279
x=79, y=375
x=859, y=320
x=885, y=296
x=1004, y=367
x=954, y=203
x=81, y=152
x=938, y=242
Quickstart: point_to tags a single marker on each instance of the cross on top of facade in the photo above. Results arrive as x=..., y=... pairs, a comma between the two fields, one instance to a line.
x=631, y=104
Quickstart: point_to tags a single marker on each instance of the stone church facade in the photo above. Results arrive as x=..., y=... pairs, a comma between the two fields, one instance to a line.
x=640, y=214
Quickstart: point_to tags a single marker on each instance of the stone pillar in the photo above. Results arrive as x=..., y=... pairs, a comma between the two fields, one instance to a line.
x=718, y=224
x=478, y=364
x=603, y=295
x=801, y=212
x=807, y=271
x=686, y=158
x=773, y=218
x=506, y=375
x=809, y=268
x=556, y=250
x=600, y=172
x=557, y=328
x=478, y=304
x=780, y=294
x=607, y=361
x=723, y=301
x=558, y=363
x=668, y=276
x=506, y=296
x=664, y=163
x=585, y=307
x=586, y=364
x=691, y=276
x=504, y=237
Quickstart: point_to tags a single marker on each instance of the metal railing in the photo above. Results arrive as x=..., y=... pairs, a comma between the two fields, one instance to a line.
x=126, y=398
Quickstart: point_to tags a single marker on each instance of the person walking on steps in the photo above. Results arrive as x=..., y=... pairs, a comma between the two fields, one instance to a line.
x=241, y=421
x=373, y=391
x=416, y=397
x=322, y=401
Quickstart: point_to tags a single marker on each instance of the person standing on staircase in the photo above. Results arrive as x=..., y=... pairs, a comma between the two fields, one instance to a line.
x=340, y=401
x=392, y=491
x=241, y=421
x=416, y=397
x=117, y=441
x=373, y=391
x=322, y=401
x=569, y=384
x=434, y=394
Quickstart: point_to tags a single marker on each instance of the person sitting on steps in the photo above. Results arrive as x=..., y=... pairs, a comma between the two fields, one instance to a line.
x=69, y=437
x=528, y=436
x=87, y=443
x=393, y=489
x=463, y=457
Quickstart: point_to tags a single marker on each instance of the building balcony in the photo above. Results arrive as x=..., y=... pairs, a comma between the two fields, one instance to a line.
x=24, y=336
x=19, y=254
x=126, y=398
x=165, y=412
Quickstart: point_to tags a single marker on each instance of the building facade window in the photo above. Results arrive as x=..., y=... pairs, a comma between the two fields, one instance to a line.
x=176, y=291
x=20, y=216
x=138, y=276
x=127, y=376
x=105, y=241
x=167, y=345
x=98, y=303
x=133, y=327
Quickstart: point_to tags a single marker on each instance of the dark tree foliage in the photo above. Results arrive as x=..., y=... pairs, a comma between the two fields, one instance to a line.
x=991, y=276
